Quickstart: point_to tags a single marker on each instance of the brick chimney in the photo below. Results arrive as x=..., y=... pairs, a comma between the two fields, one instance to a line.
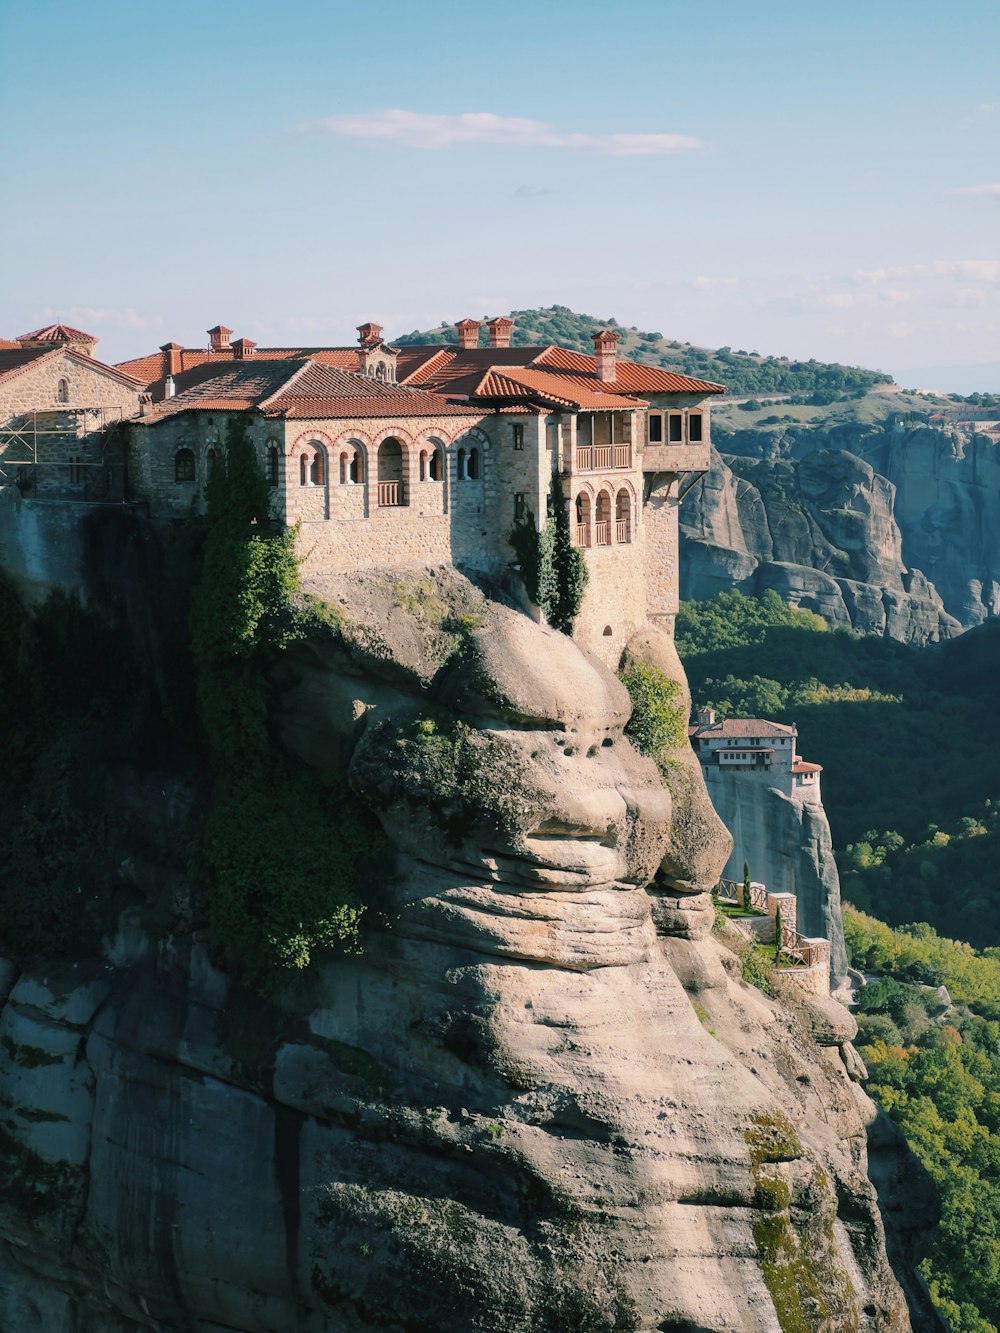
x=244, y=348
x=173, y=351
x=468, y=334
x=606, y=354
x=706, y=717
x=500, y=330
x=370, y=334
x=219, y=336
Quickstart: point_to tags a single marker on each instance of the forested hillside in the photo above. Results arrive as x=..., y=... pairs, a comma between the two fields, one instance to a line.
x=741, y=372
x=909, y=739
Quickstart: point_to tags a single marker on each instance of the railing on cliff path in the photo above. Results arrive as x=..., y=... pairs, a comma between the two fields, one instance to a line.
x=800, y=949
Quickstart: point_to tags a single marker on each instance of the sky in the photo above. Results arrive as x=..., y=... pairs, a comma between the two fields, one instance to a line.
x=798, y=179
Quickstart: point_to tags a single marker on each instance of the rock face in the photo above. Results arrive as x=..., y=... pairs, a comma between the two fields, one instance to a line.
x=891, y=529
x=542, y=1099
x=789, y=848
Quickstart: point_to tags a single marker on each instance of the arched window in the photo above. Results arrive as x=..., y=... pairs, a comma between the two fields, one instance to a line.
x=460, y=472
x=623, y=516
x=184, y=465
x=312, y=465
x=472, y=472
x=357, y=468
x=435, y=471
x=583, y=519
x=62, y=391
x=210, y=460
x=602, y=520
x=272, y=465
x=391, y=474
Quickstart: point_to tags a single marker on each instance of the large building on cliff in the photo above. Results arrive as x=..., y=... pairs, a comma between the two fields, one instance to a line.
x=417, y=455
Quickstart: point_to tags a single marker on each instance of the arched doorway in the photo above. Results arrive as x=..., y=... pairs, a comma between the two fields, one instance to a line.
x=391, y=473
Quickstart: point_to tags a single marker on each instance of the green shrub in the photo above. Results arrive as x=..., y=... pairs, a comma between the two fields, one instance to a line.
x=658, y=720
x=553, y=569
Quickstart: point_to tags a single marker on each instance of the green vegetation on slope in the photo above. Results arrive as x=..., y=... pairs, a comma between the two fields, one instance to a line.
x=936, y=1071
x=741, y=372
x=909, y=743
x=278, y=886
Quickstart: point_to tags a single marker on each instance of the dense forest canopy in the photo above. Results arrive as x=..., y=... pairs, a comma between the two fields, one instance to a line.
x=741, y=372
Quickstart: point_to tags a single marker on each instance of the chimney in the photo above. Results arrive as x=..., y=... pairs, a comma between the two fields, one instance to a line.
x=173, y=351
x=169, y=387
x=468, y=334
x=244, y=348
x=706, y=717
x=220, y=336
x=500, y=330
x=369, y=335
x=605, y=354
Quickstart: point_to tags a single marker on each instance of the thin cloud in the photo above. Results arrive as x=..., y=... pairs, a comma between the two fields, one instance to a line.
x=116, y=317
x=414, y=129
x=708, y=284
x=980, y=270
x=978, y=189
x=531, y=191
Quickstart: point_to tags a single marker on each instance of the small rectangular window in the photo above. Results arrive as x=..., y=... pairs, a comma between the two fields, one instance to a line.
x=520, y=506
x=656, y=427
x=694, y=428
x=518, y=429
x=675, y=424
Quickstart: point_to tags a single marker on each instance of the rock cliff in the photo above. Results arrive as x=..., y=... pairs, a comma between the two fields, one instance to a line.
x=788, y=845
x=541, y=1099
x=889, y=527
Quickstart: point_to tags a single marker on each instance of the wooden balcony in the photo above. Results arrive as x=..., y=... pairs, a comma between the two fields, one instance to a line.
x=602, y=533
x=582, y=534
x=675, y=457
x=622, y=533
x=390, y=494
x=603, y=457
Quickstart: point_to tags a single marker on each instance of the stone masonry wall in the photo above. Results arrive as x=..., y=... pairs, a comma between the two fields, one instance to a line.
x=65, y=439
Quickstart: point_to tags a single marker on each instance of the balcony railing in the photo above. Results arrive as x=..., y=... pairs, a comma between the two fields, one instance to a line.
x=600, y=457
x=622, y=534
x=389, y=494
x=602, y=532
x=582, y=534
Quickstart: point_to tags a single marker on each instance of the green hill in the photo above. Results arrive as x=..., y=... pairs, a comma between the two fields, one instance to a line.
x=741, y=372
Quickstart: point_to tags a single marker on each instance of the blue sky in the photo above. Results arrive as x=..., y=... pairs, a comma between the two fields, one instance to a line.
x=814, y=180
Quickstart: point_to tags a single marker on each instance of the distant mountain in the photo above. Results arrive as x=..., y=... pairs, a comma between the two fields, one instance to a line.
x=743, y=373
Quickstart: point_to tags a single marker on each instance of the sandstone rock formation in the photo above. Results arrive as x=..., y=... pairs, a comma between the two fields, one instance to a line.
x=890, y=528
x=541, y=1099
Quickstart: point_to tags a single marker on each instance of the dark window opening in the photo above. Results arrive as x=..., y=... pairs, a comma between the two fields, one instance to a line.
x=184, y=465
x=694, y=428
x=518, y=429
x=676, y=428
x=655, y=428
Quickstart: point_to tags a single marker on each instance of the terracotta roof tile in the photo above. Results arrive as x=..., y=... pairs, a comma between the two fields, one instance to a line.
x=734, y=728
x=153, y=368
x=57, y=333
x=802, y=767
x=14, y=360
x=414, y=404
x=630, y=376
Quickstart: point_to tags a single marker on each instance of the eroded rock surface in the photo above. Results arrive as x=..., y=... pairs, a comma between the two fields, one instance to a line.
x=542, y=1099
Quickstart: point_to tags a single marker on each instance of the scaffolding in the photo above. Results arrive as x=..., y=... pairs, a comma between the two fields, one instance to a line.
x=35, y=454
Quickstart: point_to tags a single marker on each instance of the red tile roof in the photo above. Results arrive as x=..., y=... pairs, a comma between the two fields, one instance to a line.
x=14, y=360
x=57, y=333
x=735, y=728
x=800, y=766
x=155, y=367
x=630, y=376
x=296, y=389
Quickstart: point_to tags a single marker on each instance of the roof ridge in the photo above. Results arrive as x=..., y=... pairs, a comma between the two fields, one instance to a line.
x=283, y=388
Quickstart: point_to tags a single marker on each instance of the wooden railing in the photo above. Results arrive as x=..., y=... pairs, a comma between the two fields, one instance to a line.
x=602, y=532
x=731, y=891
x=622, y=533
x=597, y=457
x=582, y=534
x=389, y=494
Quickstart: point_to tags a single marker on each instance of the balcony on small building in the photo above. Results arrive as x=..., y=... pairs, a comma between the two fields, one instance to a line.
x=603, y=441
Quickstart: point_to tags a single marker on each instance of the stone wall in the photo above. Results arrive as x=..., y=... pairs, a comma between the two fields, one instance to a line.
x=61, y=451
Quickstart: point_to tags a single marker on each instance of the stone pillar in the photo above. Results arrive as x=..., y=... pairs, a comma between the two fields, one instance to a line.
x=789, y=912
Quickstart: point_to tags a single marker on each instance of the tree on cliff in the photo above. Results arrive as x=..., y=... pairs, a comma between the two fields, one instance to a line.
x=281, y=847
x=553, y=569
